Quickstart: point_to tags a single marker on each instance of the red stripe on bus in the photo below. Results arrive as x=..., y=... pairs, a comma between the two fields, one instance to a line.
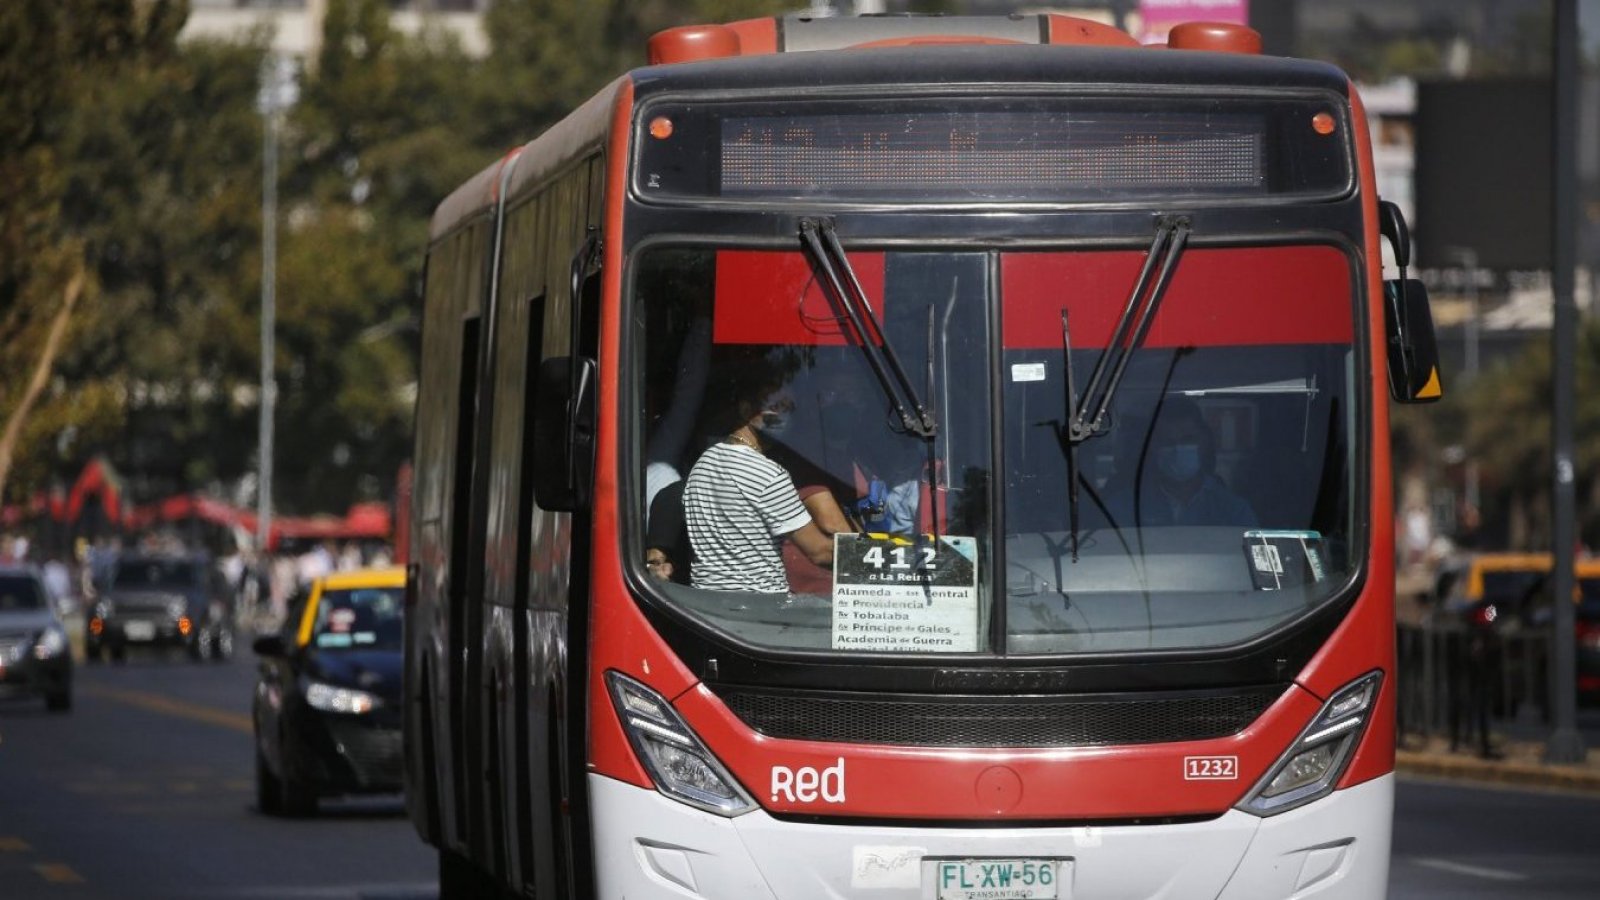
x=772, y=297
x=1218, y=297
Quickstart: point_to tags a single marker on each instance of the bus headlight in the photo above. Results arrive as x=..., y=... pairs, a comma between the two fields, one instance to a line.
x=677, y=761
x=1316, y=759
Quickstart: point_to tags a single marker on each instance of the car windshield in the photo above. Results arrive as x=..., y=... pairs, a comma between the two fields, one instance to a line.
x=18, y=592
x=1589, y=590
x=1516, y=590
x=1214, y=497
x=358, y=618
x=156, y=574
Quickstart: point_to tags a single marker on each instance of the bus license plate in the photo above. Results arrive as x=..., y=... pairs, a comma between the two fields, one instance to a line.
x=139, y=631
x=998, y=879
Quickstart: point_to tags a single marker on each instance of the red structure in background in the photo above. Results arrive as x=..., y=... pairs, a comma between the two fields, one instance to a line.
x=98, y=484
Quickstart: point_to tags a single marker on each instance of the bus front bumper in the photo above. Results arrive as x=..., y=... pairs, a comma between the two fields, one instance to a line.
x=647, y=846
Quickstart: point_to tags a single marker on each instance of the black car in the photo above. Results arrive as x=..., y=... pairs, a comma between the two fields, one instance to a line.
x=327, y=700
x=162, y=601
x=35, y=658
x=1586, y=625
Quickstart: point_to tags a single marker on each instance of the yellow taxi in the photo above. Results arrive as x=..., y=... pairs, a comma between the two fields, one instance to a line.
x=327, y=702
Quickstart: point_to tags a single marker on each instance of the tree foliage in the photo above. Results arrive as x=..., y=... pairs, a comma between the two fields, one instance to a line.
x=1506, y=422
x=62, y=55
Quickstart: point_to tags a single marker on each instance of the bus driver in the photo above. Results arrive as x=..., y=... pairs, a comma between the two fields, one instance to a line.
x=1181, y=486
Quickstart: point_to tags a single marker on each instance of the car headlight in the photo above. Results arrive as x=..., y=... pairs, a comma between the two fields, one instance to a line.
x=677, y=761
x=1311, y=766
x=103, y=609
x=52, y=642
x=330, y=698
x=176, y=608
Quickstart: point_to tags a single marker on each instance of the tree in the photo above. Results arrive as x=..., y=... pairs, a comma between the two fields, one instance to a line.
x=41, y=372
x=1515, y=460
x=139, y=170
x=58, y=52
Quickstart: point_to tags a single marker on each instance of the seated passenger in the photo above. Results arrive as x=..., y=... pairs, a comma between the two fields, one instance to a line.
x=739, y=505
x=1178, y=484
x=667, y=553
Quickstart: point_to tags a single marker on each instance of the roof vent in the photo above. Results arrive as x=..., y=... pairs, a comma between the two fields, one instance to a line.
x=1217, y=37
x=689, y=43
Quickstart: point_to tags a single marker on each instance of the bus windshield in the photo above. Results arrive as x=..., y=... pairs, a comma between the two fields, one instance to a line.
x=1214, y=500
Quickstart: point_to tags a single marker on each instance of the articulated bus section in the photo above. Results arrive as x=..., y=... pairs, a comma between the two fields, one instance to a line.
x=924, y=458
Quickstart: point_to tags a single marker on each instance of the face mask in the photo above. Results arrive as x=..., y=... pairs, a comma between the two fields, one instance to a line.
x=774, y=423
x=1179, y=462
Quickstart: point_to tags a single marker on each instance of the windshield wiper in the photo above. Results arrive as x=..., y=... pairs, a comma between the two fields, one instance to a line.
x=817, y=236
x=1172, y=233
x=1069, y=444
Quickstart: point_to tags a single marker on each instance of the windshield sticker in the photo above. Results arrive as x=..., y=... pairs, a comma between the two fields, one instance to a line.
x=1284, y=559
x=899, y=594
x=1028, y=371
x=341, y=619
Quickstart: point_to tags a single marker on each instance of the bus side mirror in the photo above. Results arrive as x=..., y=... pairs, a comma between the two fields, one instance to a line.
x=1408, y=323
x=1392, y=224
x=1413, y=352
x=562, y=451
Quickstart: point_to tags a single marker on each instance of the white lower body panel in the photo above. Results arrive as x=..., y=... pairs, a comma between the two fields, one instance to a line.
x=647, y=846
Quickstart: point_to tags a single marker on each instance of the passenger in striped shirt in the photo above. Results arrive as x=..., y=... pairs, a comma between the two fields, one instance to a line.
x=740, y=506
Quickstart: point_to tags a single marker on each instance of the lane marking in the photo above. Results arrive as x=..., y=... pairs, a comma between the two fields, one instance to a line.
x=1445, y=865
x=58, y=873
x=10, y=844
x=416, y=891
x=108, y=787
x=168, y=706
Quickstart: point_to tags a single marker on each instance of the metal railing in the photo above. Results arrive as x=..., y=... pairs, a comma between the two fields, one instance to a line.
x=1469, y=684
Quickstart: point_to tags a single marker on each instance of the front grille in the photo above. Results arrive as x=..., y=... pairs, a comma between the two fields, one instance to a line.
x=374, y=753
x=988, y=721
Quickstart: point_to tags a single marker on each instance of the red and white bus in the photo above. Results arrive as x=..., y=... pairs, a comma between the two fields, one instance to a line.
x=1075, y=354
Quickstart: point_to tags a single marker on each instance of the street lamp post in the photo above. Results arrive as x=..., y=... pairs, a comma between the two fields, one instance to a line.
x=1566, y=744
x=277, y=93
x=1467, y=257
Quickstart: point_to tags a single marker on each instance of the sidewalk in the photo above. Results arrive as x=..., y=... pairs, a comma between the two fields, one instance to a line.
x=1516, y=762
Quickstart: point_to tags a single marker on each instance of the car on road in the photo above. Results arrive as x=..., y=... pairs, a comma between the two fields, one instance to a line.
x=35, y=656
x=1508, y=591
x=327, y=697
x=1587, y=627
x=1509, y=594
x=162, y=601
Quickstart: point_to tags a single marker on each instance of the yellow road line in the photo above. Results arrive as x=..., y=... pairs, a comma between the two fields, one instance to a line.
x=58, y=873
x=13, y=845
x=169, y=706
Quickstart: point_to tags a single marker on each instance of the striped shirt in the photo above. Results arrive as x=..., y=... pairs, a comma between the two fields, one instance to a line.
x=737, y=506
